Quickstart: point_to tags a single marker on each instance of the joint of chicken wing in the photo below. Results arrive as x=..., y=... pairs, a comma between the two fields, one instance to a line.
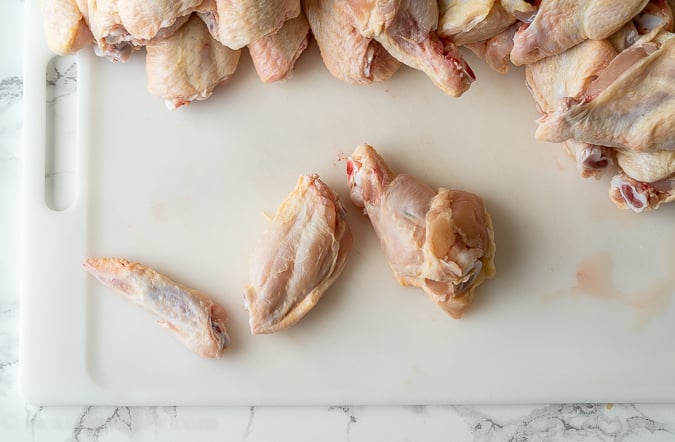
x=298, y=257
x=441, y=241
x=629, y=193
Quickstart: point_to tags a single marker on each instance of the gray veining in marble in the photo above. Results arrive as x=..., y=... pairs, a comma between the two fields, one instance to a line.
x=567, y=422
x=61, y=78
x=11, y=91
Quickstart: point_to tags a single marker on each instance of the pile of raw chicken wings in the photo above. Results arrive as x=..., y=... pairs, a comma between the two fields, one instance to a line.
x=601, y=71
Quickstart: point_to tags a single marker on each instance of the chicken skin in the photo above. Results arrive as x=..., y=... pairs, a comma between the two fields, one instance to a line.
x=275, y=55
x=465, y=22
x=188, y=65
x=121, y=27
x=196, y=320
x=65, y=28
x=605, y=114
x=561, y=24
x=237, y=23
x=145, y=19
x=298, y=257
x=348, y=55
x=441, y=241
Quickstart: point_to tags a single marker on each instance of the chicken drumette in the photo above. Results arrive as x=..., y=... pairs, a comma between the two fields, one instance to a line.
x=441, y=241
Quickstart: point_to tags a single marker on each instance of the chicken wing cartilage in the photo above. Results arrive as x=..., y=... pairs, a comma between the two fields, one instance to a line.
x=411, y=38
x=188, y=65
x=298, y=257
x=628, y=193
x=192, y=316
x=441, y=241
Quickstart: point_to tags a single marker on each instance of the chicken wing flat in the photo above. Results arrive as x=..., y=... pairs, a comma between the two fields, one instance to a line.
x=197, y=321
x=298, y=257
x=65, y=28
x=188, y=65
x=348, y=55
x=441, y=241
x=237, y=23
x=561, y=24
x=630, y=105
x=275, y=55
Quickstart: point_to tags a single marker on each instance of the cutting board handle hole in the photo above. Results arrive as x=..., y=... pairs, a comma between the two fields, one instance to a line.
x=61, y=132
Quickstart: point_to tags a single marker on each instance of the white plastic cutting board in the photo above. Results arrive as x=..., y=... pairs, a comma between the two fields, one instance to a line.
x=184, y=192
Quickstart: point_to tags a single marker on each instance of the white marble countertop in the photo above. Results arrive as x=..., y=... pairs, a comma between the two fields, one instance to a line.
x=22, y=422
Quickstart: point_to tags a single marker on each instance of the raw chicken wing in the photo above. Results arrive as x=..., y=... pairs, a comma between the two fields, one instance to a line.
x=112, y=38
x=464, y=22
x=561, y=24
x=411, y=38
x=237, y=23
x=192, y=316
x=298, y=257
x=188, y=65
x=630, y=105
x=553, y=79
x=65, y=28
x=275, y=55
x=144, y=19
x=441, y=241
x=348, y=55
